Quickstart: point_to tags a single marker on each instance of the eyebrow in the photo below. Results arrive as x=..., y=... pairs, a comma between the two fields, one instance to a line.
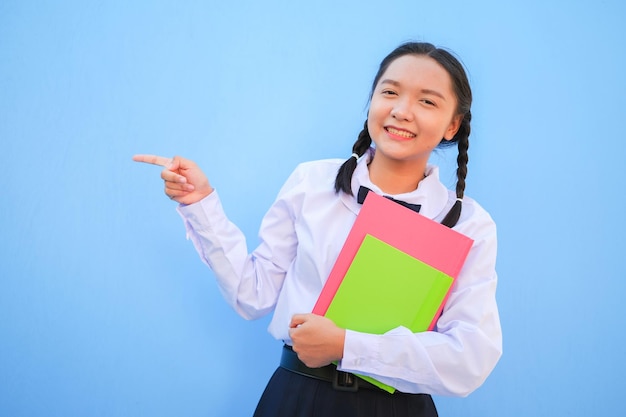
x=423, y=90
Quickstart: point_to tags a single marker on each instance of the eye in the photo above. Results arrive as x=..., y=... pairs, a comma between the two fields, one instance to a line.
x=428, y=102
x=388, y=93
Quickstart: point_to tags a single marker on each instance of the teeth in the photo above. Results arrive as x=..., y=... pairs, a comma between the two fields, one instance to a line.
x=402, y=133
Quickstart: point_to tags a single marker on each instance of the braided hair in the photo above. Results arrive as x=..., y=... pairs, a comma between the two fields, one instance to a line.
x=463, y=92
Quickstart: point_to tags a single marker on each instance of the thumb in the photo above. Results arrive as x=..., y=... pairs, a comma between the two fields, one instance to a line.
x=297, y=320
x=174, y=164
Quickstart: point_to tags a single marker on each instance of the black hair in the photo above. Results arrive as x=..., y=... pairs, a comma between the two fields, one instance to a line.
x=463, y=92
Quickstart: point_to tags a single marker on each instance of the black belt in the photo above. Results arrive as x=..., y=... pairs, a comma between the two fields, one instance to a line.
x=342, y=381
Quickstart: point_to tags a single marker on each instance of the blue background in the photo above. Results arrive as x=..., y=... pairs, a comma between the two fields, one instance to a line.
x=105, y=309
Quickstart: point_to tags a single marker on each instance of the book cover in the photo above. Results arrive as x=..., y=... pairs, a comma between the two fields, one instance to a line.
x=385, y=288
x=425, y=239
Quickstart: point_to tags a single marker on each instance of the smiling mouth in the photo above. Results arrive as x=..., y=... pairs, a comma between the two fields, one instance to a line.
x=401, y=133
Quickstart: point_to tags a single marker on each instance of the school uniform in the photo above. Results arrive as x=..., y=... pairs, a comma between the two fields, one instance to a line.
x=300, y=238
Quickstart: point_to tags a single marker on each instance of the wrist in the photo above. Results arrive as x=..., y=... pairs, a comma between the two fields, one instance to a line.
x=341, y=341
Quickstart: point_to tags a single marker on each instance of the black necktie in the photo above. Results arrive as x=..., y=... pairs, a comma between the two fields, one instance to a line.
x=364, y=190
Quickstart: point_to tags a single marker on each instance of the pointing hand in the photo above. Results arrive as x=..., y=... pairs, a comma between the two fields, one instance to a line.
x=185, y=183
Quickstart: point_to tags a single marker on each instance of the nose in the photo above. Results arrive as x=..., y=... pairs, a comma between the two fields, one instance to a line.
x=402, y=111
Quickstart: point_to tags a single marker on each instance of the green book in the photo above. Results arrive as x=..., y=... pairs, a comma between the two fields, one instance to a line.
x=385, y=288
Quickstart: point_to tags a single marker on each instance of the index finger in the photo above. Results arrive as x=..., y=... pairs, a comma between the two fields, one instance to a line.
x=153, y=159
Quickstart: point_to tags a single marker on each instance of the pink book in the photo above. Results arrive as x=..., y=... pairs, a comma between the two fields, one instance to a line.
x=432, y=243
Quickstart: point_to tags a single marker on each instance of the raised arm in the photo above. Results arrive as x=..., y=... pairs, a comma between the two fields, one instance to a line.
x=185, y=182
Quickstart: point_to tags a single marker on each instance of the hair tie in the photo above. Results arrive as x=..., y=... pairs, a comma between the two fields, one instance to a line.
x=355, y=156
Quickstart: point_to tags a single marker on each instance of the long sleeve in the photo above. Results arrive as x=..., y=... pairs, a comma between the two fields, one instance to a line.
x=250, y=283
x=299, y=238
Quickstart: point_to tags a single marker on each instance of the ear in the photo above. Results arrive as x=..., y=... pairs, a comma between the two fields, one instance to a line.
x=454, y=126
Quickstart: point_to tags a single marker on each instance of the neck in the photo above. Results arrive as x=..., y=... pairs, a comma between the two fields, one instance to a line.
x=398, y=177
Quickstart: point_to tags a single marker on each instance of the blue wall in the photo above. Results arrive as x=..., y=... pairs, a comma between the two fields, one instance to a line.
x=105, y=309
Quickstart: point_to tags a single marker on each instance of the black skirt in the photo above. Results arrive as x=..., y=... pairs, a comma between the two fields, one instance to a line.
x=289, y=394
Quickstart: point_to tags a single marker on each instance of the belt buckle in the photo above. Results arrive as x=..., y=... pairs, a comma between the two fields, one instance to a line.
x=345, y=381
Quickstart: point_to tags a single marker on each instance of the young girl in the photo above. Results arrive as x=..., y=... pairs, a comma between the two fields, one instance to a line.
x=420, y=99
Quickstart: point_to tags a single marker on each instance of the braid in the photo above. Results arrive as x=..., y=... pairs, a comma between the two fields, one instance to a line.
x=462, y=158
x=462, y=139
x=343, y=181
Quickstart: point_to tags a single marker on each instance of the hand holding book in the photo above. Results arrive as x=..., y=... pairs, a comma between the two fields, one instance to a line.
x=395, y=269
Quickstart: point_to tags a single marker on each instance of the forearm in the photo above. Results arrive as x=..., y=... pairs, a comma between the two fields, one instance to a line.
x=249, y=283
x=429, y=362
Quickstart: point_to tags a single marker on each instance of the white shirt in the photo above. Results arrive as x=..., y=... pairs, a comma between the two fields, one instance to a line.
x=300, y=238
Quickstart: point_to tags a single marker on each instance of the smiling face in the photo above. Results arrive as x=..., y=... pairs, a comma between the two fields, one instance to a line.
x=413, y=107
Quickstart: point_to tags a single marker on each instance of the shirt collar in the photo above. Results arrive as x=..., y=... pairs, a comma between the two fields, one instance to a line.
x=431, y=194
